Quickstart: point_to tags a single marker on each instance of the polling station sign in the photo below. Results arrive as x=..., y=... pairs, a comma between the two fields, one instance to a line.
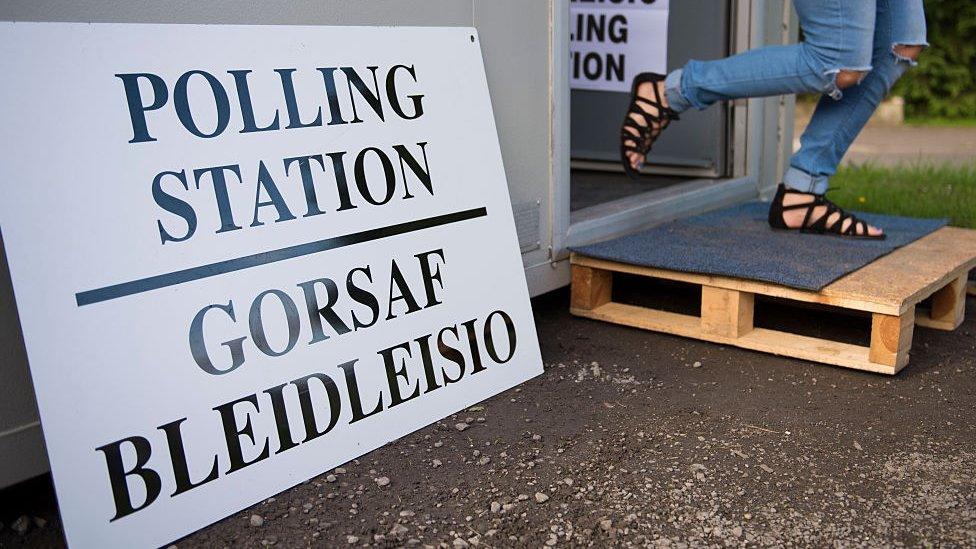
x=611, y=41
x=243, y=255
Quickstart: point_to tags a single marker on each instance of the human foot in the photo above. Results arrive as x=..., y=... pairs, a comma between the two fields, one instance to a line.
x=812, y=213
x=647, y=116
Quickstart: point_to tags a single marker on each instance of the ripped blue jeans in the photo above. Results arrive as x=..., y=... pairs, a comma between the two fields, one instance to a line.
x=839, y=35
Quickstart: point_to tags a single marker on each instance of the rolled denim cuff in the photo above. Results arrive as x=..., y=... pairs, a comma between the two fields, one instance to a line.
x=799, y=180
x=672, y=89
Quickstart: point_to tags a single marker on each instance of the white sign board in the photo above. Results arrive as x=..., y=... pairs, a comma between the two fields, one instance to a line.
x=613, y=41
x=243, y=255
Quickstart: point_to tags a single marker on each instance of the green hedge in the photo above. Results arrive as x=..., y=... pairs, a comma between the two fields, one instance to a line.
x=944, y=83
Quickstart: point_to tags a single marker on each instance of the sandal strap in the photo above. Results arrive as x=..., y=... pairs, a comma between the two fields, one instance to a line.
x=855, y=226
x=798, y=206
x=664, y=113
x=643, y=139
x=654, y=123
x=649, y=119
x=820, y=215
x=630, y=123
x=658, y=103
x=843, y=218
x=819, y=224
x=652, y=127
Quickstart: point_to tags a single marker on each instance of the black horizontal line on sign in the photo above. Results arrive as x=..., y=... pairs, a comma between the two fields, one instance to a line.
x=238, y=264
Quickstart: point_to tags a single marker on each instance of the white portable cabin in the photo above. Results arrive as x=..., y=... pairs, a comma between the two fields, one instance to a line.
x=559, y=146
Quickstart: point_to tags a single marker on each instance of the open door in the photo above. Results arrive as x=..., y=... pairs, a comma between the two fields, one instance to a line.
x=697, y=146
x=725, y=154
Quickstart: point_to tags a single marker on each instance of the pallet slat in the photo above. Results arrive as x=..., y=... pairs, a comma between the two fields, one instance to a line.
x=752, y=286
x=891, y=338
x=948, y=306
x=590, y=287
x=759, y=339
x=726, y=312
x=889, y=285
x=913, y=272
x=937, y=265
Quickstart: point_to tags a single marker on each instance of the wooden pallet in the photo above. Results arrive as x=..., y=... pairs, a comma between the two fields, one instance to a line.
x=935, y=266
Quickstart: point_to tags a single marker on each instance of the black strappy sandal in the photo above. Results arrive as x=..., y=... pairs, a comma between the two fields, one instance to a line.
x=855, y=229
x=654, y=124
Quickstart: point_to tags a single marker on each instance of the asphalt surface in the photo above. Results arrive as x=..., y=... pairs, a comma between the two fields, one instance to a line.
x=632, y=438
x=892, y=145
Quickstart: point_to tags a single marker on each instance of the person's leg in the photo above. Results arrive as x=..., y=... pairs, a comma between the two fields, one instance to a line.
x=834, y=55
x=899, y=37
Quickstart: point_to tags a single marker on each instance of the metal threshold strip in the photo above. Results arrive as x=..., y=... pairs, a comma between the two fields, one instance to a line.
x=661, y=166
x=636, y=212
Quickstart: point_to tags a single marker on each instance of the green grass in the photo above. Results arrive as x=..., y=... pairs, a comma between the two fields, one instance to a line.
x=942, y=122
x=914, y=190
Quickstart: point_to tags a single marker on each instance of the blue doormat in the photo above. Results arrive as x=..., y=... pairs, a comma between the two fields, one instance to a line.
x=738, y=242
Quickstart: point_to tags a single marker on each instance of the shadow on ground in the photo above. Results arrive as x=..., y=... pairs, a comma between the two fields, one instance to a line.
x=634, y=438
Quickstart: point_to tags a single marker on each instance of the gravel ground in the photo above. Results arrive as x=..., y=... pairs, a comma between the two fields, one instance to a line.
x=639, y=439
